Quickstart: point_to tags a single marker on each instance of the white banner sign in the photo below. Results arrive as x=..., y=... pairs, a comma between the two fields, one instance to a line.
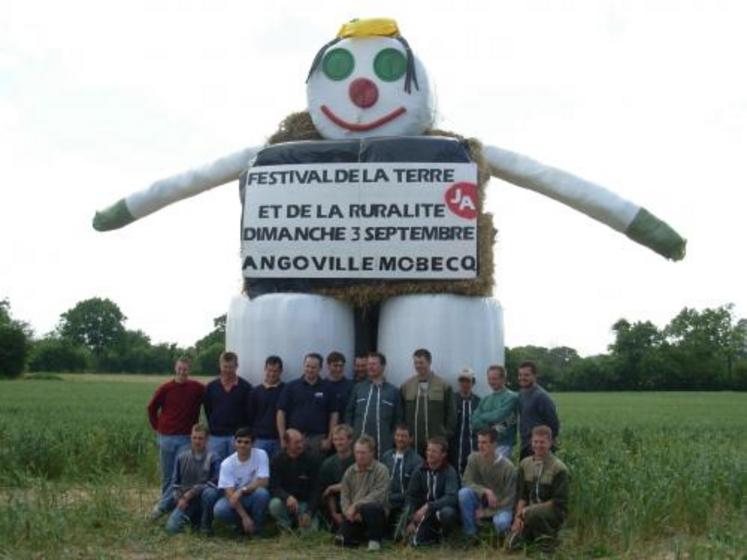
x=361, y=220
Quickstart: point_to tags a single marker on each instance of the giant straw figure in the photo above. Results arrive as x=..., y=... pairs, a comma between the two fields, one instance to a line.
x=366, y=85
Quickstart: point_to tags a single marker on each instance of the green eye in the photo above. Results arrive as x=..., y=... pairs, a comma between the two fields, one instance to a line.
x=338, y=64
x=390, y=65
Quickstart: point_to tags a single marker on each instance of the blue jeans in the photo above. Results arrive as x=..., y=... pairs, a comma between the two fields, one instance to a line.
x=269, y=446
x=255, y=505
x=287, y=520
x=168, y=448
x=220, y=446
x=469, y=502
x=198, y=512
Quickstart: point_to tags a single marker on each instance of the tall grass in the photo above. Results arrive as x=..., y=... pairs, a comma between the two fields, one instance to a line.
x=662, y=471
x=74, y=432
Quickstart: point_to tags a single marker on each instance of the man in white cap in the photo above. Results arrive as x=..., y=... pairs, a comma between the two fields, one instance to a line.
x=464, y=440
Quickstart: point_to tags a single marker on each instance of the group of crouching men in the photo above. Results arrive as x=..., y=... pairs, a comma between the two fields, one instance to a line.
x=408, y=463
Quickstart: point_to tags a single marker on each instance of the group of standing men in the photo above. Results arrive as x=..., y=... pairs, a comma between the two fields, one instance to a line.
x=367, y=457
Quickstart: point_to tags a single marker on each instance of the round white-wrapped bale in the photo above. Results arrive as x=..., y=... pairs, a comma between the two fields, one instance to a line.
x=459, y=331
x=289, y=326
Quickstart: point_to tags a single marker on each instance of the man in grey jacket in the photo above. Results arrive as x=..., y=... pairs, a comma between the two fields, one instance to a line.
x=193, y=490
x=374, y=407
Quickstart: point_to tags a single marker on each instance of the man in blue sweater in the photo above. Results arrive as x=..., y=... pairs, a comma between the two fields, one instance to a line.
x=536, y=408
x=226, y=405
x=263, y=408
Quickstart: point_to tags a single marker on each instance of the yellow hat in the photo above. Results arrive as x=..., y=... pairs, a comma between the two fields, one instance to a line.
x=372, y=27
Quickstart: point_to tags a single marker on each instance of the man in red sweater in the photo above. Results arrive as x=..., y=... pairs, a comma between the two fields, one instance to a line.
x=173, y=410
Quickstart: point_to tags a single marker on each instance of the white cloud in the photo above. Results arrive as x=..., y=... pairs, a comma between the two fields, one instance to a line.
x=99, y=99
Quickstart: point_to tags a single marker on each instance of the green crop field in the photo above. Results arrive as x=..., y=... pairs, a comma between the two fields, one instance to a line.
x=654, y=475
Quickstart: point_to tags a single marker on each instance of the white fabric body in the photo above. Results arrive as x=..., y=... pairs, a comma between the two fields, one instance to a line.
x=235, y=474
x=418, y=104
x=288, y=325
x=189, y=183
x=459, y=331
x=580, y=194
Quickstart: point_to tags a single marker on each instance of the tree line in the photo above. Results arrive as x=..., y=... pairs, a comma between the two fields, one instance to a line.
x=92, y=337
x=697, y=350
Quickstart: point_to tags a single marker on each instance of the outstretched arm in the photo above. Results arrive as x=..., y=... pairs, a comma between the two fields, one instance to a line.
x=593, y=200
x=172, y=189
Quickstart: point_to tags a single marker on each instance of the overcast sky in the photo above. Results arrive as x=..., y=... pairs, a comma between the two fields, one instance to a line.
x=98, y=99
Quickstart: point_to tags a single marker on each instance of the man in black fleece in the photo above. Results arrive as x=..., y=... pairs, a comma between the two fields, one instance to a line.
x=294, y=474
x=432, y=497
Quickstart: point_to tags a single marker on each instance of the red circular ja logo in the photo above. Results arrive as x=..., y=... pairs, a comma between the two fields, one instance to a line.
x=461, y=198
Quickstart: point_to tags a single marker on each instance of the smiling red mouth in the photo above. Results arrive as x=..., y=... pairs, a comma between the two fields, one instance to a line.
x=362, y=127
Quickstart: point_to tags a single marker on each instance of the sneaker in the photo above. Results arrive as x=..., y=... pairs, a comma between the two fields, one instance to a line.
x=514, y=541
x=374, y=546
x=546, y=543
x=155, y=514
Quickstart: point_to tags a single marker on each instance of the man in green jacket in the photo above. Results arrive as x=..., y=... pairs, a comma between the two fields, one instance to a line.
x=499, y=411
x=542, y=495
x=428, y=403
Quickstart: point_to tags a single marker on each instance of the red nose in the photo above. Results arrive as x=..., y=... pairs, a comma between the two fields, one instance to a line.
x=363, y=92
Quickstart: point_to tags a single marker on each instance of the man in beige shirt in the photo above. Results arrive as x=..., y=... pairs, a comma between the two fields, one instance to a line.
x=363, y=498
x=488, y=487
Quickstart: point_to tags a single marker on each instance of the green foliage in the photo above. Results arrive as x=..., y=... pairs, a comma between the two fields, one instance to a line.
x=4, y=312
x=54, y=354
x=134, y=353
x=703, y=347
x=208, y=349
x=14, y=348
x=553, y=364
x=206, y=362
x=697, y=350
x=14, y=343
x=96, y=323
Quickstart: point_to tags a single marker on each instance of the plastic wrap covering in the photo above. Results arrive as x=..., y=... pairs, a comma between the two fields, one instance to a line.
x=289, y=326
x=459, y=331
